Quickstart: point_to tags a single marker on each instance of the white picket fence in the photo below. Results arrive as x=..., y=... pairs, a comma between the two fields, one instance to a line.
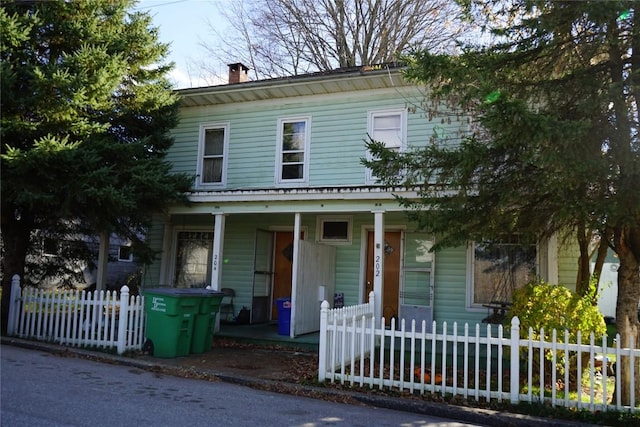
x=77, y=318
x=344, y=348
x=483, y=364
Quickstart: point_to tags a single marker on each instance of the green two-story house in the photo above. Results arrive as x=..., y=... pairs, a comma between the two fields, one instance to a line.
x=282, y=205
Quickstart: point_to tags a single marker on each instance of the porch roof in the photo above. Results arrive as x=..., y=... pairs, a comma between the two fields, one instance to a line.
x=302, y=193
x=304, y=200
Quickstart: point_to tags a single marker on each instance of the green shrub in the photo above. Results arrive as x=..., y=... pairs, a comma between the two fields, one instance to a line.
x=540, y=305
x=543, y=305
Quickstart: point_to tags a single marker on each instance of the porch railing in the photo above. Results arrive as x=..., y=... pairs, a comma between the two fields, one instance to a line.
x=485, y=362
x=77, y=318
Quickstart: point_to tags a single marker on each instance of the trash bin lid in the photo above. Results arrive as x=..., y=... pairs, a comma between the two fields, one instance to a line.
x=183, y=292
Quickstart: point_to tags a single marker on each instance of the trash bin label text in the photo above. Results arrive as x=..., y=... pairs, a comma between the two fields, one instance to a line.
x=158, y=304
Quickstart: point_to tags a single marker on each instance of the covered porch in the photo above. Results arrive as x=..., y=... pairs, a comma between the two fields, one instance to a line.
x=319, y=248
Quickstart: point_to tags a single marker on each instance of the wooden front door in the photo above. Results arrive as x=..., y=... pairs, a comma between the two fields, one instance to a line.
x=391, y=278
x=282, y=269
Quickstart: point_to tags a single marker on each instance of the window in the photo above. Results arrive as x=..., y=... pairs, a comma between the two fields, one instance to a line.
x=51, y=247
x=388, y=127
x=417, y=269
x=498, y=268
x=194, y=250
x=213, y=149
x=293, y=146
x=334, y=229
x=125, y=254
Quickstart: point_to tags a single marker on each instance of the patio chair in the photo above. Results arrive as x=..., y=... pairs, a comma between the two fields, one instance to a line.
x=227, y=308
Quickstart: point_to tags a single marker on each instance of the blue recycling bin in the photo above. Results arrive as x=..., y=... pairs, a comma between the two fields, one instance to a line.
x=284, y=315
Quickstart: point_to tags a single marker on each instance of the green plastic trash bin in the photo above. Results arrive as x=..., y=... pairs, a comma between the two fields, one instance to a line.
x=205, y=319
x=170, y=314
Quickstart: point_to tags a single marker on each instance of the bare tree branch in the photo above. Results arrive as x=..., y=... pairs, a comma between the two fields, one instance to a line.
x=289, y=37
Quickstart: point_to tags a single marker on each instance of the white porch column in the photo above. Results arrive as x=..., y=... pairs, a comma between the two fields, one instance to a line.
x=216, y=258
x=294, y=273
x=103, y=261
x=378, y=261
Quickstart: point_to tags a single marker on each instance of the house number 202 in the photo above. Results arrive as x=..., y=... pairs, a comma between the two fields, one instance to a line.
x=215, y=262
x=377, y=265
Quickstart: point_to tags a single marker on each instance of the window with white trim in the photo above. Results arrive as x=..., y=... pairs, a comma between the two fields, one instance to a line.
x=213, y=154
x=388, y=127
x=294, y=135
x=497, y=268
x=334, y=229
x=194, y=250
x=125, y=253
x=51, y=247
x=417, y=270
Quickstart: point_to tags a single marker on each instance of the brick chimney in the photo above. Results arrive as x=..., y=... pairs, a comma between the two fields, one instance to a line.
x=238, y=73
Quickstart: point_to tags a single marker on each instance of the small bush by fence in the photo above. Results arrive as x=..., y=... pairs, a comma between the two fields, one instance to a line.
x=77, y=318
x=491, y=363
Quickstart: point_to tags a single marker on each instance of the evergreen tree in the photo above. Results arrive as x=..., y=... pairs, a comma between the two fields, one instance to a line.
x=86, y=111
x=553, y=144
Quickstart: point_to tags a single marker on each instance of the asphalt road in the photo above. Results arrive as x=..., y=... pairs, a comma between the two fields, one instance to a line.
x=44, y=389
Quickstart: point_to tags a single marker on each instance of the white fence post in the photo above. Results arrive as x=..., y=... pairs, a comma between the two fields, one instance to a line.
x=514, y=387
x=372, y=304
x=322, y=345
x=14, y=304
x=123, y=319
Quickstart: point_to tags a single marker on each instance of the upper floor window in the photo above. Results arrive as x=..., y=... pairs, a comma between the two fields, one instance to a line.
x=497, y=268
x=294, y=136
x=388, y=127
x=213, y=149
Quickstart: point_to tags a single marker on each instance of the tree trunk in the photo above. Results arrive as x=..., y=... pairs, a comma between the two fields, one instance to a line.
x=584, y=261
x=585, y=275
x=627, y=307
x=601, y=256
x=16, y=239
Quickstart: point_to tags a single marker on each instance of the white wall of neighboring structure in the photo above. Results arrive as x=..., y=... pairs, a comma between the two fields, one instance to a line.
x=608, y=289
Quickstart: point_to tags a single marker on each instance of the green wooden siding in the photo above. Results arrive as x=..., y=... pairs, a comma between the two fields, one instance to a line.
x=568, y=254
x=238, y=254
x=338, y=132
x=451, y=288
x=154, y=236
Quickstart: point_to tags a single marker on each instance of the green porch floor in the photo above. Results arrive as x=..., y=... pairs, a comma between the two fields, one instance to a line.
x=266, y=334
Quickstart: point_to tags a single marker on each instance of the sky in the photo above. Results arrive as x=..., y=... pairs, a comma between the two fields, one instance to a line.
x=184, y=24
